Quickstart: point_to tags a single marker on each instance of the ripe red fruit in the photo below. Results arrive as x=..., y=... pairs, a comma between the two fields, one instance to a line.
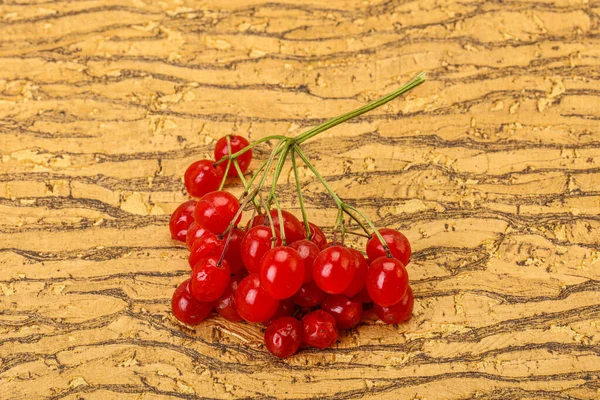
x=216, y=210
x=209, y=279
x=319, y=329
x=317, y=235
x=194, y=232
x=399, y=312
x=203, y=177
x=281, y=272
x=208, y=245
x=232, y=252
x=284, y=337
x=308, y=251
x=294, y=229
x=347, y=313
x=181, y=219
x=225, y=305
x=363, y=296
x=358, y=282
x=186, y=308
x=309, y=295
x=237, y=143
x=252, y=302
x=333, y=269
x=387, y=281
x=396, y=241
x=255, y=244
x=286, y=308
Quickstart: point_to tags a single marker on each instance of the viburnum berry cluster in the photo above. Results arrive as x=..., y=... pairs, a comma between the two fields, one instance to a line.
x=279, y=270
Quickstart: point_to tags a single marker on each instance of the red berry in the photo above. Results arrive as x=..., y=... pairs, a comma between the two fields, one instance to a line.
x=186, y=308
x=281, y=272
x=207, y=246
x=399, y=312
x=237, y=143
x=333, y=269
x=216, y=210
x=308, y=251
x=286, y=308
x=181, y=219
x=203, y=177
x=209, y=279
x=194, y=232
x=347, y=313
x=358, y=282
x=284, y=337
x=317, y=235
x=387, y=281
x=396, y=241
x=363, y=296
x=225, y=306
x=319, y=329
x=232, y=252
x=294, y=229
x=252, y=302
x=255, y=244
x=309, y=295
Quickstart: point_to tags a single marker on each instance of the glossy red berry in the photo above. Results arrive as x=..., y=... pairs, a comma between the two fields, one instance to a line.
x=225, y=305
x=237, y=143
x=317, y=236
x=308, y=251
x=363, y=296
x=360, y=267
x=399, y=312
x=194, y=233
x=309, y=295
x=186, y=308
x=252, y=302
x=203, y=177
x=387, y=281
x=333, y=269
x=281, y=272
x=286, y=308
x=346, y=312
x=181, y=219
x=319, y=329
x=294, y=229
x=255, y=244
x=396, y=241
x=233, y=253
x=216, y=210
x=209, y=245
x=209, y=279
x=284, y=337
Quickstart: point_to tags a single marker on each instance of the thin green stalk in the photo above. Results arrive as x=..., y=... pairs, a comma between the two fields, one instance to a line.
x=228, y=138
x=249, y=147
x=416, y=81
x=268, y=166
x=337, y=200
x=357, y=220
x=277, y=173
x=300, y=197
x=281, y=224
x=372, y=225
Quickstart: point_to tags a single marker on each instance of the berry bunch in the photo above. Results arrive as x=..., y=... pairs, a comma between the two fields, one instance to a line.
x=280, y=268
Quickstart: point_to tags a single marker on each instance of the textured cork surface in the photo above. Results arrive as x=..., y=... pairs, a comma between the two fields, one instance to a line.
x=491, y=168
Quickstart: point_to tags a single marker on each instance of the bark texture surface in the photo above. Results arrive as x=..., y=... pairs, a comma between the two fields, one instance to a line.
x=492, y=169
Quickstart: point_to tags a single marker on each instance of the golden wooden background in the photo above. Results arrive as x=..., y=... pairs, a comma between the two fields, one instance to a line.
x=491, y=168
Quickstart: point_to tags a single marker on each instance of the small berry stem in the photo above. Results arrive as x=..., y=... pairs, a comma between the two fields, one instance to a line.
x=281, y=224
x=249, y=147
x=270, y=218
x=300, y=196
x=228, y=138
x=277, y=173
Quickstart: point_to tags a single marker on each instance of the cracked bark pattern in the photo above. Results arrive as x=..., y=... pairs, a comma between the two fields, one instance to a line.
x=492, y=169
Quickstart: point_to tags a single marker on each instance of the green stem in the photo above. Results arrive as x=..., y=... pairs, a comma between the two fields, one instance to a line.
x=372, y=225
x=300, y=197
x=357, y=220
x=277, y=173
x=337, y=200
x=268, y=166
x=249, y=147
x=228, y=138
x=281, y=224
x=416, y=81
